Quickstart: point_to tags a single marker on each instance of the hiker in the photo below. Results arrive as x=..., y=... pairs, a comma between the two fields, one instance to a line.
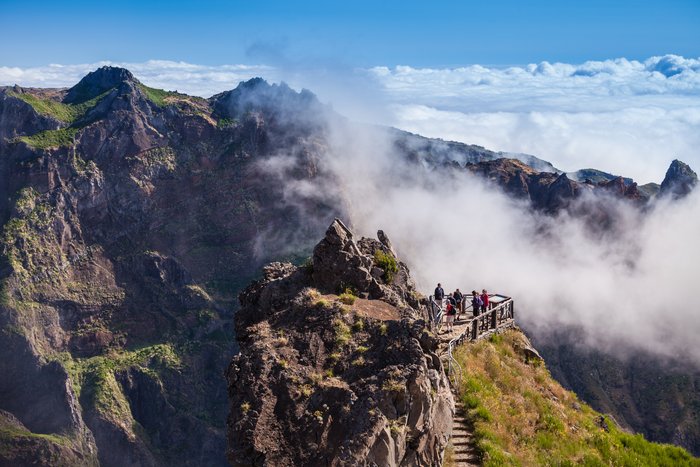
x=439, y=295
x=450, y=313
x=476, y=303
x=484, y=300
x=459, y=298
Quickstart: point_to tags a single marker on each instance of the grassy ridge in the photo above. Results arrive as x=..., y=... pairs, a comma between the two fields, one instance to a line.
x=523, y=417
x=157, y=96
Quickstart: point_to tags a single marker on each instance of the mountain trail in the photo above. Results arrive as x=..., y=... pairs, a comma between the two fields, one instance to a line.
x=465, y=453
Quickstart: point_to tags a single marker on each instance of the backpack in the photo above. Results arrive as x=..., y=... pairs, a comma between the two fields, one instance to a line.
x=476, y=301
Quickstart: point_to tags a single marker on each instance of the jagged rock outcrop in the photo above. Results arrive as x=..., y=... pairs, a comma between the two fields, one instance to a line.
x=329, y=380
x=680, y=179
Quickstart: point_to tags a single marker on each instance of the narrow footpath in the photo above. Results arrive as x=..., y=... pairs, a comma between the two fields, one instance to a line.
x=462, y=439
x=464, y=452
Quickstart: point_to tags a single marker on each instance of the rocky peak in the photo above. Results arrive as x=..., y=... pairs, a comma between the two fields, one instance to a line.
x=331, y=379
x=367, y=266
x=680, y=179
x=97, y=82
x=257, y=95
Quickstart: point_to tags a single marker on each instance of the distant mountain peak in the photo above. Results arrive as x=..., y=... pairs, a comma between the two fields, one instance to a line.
x=680, y=180
x=258, y=94
x=97, y=82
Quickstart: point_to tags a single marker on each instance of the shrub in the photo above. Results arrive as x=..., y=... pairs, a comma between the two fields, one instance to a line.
x=308, y=265
x=342, y=332
x=392, y=385
x=359, y=325
x=388, y=263
x=245, y=407
x=359, y=361
x=347, y=298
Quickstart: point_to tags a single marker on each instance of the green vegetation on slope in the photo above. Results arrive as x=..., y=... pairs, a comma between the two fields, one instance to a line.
x=157, y=96
x=22, y=241
x=67, y=113
x=388, y=263
x=51, y=138
x=522, y=416
x=96, y=375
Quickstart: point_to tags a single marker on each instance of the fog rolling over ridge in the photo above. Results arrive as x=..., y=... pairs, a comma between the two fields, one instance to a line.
x=627, y=286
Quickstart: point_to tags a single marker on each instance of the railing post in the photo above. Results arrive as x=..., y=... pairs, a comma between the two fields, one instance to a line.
x=475, y=327
x=512, y=309
x=494, y=325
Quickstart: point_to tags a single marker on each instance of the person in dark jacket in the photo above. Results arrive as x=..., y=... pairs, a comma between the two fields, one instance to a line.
x=459, y=299
x=476, y=303
x=439, y=295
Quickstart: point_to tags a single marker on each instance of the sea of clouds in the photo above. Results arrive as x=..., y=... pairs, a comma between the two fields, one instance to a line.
x=623, y=116
x=626, y=117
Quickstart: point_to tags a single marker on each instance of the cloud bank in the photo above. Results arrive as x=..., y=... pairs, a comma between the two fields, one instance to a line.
x=623, y=116
x=623, y=288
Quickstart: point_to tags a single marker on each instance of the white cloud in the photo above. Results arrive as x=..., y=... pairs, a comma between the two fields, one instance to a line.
x=627, y=117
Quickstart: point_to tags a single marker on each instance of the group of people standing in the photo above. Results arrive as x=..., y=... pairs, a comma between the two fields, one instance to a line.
x=453, y=304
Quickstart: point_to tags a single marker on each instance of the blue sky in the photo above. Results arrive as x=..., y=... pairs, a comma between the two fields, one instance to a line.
x=355, y=33
x=608, y=84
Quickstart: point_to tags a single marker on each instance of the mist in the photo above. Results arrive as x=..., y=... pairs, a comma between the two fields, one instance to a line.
x=627, y=287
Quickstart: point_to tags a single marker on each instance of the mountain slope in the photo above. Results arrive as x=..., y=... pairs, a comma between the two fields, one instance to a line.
x=132, y=218
x=523, y=417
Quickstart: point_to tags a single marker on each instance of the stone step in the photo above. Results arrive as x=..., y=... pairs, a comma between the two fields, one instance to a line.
x=462, y=446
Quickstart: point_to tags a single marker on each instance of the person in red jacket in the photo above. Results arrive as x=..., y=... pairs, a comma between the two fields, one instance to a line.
x=485, y=300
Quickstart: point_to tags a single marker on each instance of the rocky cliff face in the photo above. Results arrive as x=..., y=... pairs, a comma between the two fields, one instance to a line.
x=132, y=217
x=328, y=379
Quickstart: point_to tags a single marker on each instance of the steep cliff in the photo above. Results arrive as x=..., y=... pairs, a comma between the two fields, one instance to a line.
x=132, y=217
x=336, y=365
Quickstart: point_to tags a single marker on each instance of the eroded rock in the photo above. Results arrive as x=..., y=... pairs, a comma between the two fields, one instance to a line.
x=320, y=381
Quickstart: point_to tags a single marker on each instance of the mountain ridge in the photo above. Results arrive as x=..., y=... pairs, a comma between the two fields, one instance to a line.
x=131, y=220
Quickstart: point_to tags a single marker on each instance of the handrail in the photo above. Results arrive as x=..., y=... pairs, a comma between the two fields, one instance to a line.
x=435, y=312
x=499, y=316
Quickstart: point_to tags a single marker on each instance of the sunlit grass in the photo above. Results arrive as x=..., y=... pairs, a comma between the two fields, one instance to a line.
x=524, y=417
